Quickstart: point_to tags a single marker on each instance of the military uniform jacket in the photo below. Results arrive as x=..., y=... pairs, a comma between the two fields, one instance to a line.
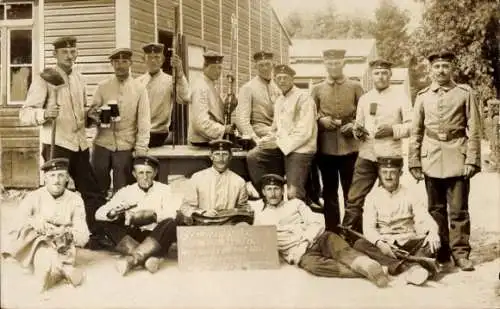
x=159, y=89
x=206, y=113
x=253, y=115
x=337, y=99
x=132, y=131
x=294, y=123
x=443, y=110
x=72, y=101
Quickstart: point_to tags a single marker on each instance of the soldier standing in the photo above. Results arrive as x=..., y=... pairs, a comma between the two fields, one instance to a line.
x=115, y=146
x=69, y=114
x=254, y=113
x=385, y=114
x=445, y=151
x=206, y=113
x=336, y=101
x=159, y=86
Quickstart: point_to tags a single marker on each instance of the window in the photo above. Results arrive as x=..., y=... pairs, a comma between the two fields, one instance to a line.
x=17, y=51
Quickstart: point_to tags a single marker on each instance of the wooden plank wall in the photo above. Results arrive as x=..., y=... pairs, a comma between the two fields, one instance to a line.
x=93, y=24
x=141, y=31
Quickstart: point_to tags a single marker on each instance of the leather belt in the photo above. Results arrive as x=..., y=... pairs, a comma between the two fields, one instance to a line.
x=445, y=136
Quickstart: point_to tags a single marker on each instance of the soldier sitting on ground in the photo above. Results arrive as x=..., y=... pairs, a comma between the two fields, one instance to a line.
x=51, y=224
x=302, y=239
x=394, y=217
x=216, y=190
x=139, y=218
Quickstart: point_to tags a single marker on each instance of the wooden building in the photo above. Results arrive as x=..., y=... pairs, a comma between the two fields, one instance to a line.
x=27, y=29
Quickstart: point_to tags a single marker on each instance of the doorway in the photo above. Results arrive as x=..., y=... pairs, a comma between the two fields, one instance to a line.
x=166, y=38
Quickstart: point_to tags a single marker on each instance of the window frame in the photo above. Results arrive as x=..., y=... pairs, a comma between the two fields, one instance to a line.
x=9, y=65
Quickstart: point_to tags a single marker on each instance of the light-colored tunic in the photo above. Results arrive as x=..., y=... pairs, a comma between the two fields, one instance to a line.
x=393, y=109
x=294, y=122
x=158, y=198
x=39, y=211
x=397, y=216
x=210, y=190
x=297, y=227
x=206, y=112
x=253, y=115
x=443, y=109
x=72, y=101
x=160, y=89
x=132, y=131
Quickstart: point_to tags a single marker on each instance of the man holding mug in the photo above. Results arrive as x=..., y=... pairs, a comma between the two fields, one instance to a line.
x=121, y=108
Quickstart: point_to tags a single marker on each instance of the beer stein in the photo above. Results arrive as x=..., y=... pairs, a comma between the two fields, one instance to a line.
x=105, y=116
x=115, y=112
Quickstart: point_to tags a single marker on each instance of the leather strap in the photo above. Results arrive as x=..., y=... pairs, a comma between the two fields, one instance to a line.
x=445, y=136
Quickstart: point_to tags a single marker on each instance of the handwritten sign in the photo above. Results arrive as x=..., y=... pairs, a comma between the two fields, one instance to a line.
x=227, y=247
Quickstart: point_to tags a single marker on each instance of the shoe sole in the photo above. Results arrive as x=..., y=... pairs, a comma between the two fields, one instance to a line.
x=417, y=276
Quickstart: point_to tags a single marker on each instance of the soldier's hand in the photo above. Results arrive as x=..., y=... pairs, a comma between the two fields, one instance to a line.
x=228, y=128
x=268, y=142
x=51, y=112
x=327, y=123
x=210, y=213
x=95, y=115
x=385, y=248
x=176, y=63
x=384, y=131
x=347, y=129
x=359, y=132
x=470, y=170
x=417, y=173
x=433, y=241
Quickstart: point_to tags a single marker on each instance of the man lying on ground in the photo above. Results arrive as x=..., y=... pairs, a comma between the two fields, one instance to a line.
x=303, y=241
x=51, y=224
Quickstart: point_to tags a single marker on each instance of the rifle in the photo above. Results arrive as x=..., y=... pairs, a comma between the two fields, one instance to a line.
x=428, y=263
x=175, y=51
x=230, y=101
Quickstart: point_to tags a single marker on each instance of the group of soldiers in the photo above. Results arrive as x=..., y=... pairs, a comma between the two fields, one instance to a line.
x=336, y=131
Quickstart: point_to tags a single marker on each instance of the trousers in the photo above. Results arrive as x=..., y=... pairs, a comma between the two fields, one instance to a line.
x=120, y=162
x=84, y=177
x=454, y=223
x=333, y=169
x=330, y=256
x=164, y=233
x=294, y=166
x=363, y=180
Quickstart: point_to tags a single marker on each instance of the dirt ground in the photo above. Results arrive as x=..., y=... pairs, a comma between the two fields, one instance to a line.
x=287, y=287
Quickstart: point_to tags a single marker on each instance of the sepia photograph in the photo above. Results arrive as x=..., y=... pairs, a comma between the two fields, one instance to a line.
x=253, y=154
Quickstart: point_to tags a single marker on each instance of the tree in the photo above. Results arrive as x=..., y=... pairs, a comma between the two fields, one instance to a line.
x=390, y=31
x=469, y=28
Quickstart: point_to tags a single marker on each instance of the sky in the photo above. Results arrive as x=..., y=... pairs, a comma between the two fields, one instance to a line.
x=360, y=7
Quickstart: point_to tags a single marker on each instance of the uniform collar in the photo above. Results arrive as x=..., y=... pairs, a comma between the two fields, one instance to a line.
x=435, y=86
x=265, y=81
x=338, y=81
x=290, y=91
x=146, y=190
x=55, y=198
x=398, y=189
x=61, y=70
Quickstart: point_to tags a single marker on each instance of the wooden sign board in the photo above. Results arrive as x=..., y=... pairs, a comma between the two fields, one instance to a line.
x=227, y=247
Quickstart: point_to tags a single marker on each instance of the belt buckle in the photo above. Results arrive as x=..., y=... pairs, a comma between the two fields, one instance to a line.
x=442, y=136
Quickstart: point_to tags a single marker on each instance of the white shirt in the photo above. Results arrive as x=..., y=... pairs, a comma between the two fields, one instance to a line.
x=393, y=109
x=397, y=216
x=159, y=198
x=297, y=227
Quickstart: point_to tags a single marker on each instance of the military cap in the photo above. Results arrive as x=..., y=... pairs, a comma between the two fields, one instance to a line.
x=213, y=58
x=390, y=161
x=441, y=55
x=121, y=53
x=263, y=55
x=153, y=48
x=284, y=69
x=146, y=160
x=272, y=179
x=64, y=42
x=380, y=64
x=334, y=53
x=220, y=144
x=55, y=165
